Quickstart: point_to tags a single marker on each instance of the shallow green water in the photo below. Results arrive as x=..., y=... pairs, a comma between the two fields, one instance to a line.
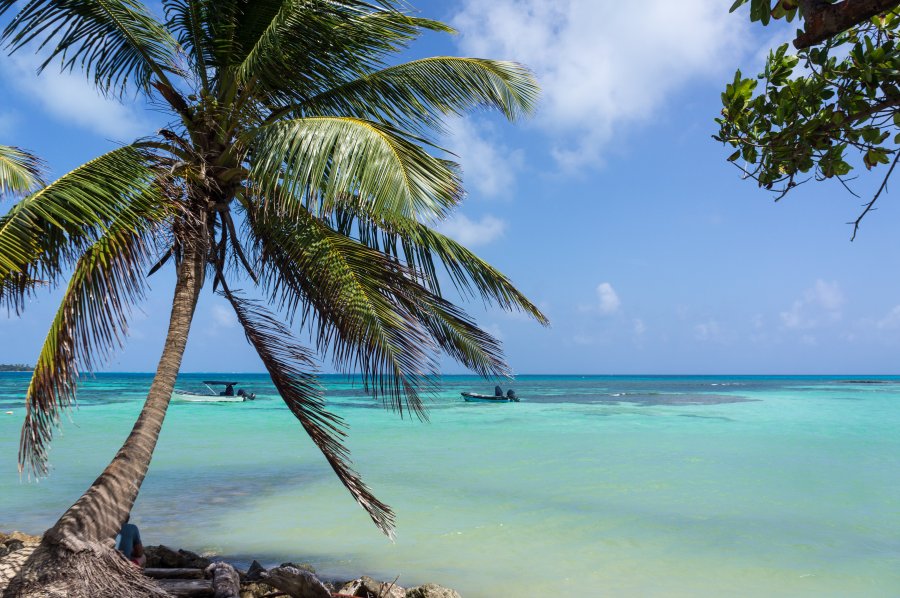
x=591, y=486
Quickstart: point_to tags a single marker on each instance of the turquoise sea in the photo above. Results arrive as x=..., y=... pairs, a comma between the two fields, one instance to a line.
x=591, y=486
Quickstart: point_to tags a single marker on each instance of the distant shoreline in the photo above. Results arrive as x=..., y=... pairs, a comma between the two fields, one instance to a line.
x=849, y=378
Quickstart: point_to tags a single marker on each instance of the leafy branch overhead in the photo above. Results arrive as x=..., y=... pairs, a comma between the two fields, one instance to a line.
x=298, y=157
x=826, y=111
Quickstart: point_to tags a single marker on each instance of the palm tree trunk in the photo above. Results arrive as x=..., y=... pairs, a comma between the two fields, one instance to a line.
x=100, y=512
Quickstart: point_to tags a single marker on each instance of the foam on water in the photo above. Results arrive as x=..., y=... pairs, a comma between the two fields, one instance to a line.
x=590, y=486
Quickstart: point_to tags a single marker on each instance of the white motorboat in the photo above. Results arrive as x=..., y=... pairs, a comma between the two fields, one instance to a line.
x=213, y=396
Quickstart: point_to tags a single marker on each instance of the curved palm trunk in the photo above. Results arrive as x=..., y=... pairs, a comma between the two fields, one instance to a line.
x=100, y=512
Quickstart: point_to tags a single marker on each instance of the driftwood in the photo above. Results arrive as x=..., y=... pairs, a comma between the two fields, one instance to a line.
x=295, y=583
x=187, y=588
x=225, y=580
x=165, y=573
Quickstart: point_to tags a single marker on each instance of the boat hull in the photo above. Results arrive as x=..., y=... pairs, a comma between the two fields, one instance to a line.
x=196, y=397
x=474, y=397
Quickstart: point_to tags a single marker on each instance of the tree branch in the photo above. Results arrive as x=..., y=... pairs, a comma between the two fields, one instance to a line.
x=874, y=199
x=822, y=20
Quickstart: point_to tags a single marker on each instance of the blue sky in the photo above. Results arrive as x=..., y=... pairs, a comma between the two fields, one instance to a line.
x=612, y=208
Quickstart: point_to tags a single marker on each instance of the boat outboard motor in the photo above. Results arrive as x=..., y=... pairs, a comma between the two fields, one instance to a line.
x=498, y=392
x=511, y=395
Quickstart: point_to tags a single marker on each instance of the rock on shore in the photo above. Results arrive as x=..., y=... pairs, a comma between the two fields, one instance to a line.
x=294, y=579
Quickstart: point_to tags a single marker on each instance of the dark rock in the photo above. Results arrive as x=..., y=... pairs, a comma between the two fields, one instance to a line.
x=165, y=557
x=431, y=590
x=254, y=573
x=159, y=557
x=3, y=550
x=296, y=582
x=13, y=545
x=192, y=559
x=302, y=566
x=28, y=539
x=366, y=587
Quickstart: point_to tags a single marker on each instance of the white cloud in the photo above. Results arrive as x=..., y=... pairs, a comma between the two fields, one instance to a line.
x=224, y=317
x=820, y=303
x=489, y=167
x=639, y=327
x=708, y=331
x=71, y=98
x=609, y=300
x=471, y=233
x=603, y=64
x=891, y=320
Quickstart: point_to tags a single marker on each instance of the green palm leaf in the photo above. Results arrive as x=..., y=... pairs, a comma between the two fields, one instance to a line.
x=418, y=93
x=49, y=230
x=20, y=172
x=296, y=48
x=292, y=368
x=114, y=41
x=188, y=21
x=455, y=332
x=349, y=294
x=322, y=158
x=90, y=322
x=423, y=248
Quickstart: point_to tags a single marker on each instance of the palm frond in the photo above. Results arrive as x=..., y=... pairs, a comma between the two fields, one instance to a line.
x=296, y=48
x=90, y=322
x=292, y=369
x=455, y=332
x=20, y=172
x=422, y=248
x=347, y=292
x=113, y=41
x=47, y=231
x=188, y=21
x=415, y=95
x=322, y=159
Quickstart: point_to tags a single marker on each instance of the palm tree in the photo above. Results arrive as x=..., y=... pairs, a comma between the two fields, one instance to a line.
x=297, y=160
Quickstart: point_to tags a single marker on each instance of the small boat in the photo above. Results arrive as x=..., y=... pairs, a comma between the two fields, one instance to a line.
x=474, y=397
x=225, y=396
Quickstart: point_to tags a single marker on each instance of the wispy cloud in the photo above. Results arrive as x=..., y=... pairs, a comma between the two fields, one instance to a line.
x=223, y=317
x=819, y=304
x=603, y=64
x=708, y=331
x=473, y=233
x=891, y=321
x=489, y=166
x=639, y=327
x=609, y=302
x=71, y=98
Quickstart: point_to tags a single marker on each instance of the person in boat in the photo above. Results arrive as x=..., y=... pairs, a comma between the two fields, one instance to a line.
x=511, y=395
x=129, y=543
x=229, y=391
x=498, y=392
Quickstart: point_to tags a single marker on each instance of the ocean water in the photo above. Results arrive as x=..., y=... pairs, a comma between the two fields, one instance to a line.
x=591, y=486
